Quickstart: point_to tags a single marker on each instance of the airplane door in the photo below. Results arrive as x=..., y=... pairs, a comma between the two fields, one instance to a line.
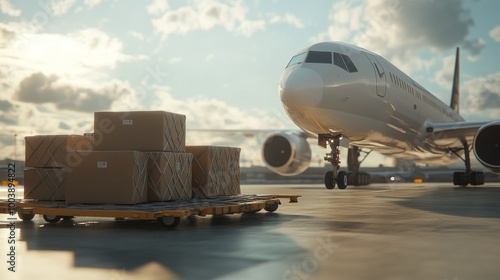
x=380, y=75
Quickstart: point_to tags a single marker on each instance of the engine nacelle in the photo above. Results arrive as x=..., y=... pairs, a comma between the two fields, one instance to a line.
x=286, y=154
x=487, y=146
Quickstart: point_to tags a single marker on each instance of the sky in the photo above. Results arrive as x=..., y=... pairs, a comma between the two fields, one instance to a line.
x=219, y=62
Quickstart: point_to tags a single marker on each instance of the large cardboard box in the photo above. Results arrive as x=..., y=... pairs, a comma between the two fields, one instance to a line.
x=44, y=183
x=52, y=150
x=114, y=177
x=169, y=176
x=140, y=131
x=216, y=171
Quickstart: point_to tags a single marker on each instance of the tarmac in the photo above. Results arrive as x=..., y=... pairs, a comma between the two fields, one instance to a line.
x=382, y=231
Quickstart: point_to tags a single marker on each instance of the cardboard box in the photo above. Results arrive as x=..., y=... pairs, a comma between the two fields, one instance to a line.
x=141, y=131
x=52, y=150
x=44, y=183
x=114, y=177
x=216, y=171
x=169, y=176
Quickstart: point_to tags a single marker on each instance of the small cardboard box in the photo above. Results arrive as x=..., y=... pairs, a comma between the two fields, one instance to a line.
x=169, y=176
x=140, y=130
x=52, y=150
x=216, y=171
x=44, y=183
x=114, y=177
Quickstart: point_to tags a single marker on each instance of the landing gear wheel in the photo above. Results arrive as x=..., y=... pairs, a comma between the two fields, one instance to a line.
x=51, y=218
x=460, y=179
x=271, y=207
x=169, y=221
x=342, y=180
x=25, y=217
x=476, y=178
x=329, y=180
x=365, y=179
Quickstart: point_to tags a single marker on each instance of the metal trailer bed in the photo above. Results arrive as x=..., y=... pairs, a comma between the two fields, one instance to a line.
x=167, y=213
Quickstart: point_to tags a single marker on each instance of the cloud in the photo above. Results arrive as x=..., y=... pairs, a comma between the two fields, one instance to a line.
x=82, y=54
x=7, y=114
x=211, y=113
x=483, y=95
x=41, y=89
x=495, y=33
x=474, y=47
x=157, y=7
x=7, y=34
x=5, y=105
x=205, y=15
x=92, y=3
x=399, y=30
x=444, y=76
x=288, y=19
x=137, y=35
x=7, y=8
x=61, y=7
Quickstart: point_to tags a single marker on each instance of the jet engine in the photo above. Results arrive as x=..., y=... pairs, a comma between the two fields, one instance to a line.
x=286, y=154
x=487, y=146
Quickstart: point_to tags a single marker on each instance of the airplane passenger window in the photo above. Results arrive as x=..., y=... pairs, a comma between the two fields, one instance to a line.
x=337, y=60
x=319, y=57
x=349, y=63
x=296, y=59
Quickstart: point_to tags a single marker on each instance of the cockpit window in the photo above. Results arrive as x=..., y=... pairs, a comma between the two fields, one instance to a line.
x=319, y=57
x=296, y=59
x=349, y=63
x=344, y=62
x=337, y=60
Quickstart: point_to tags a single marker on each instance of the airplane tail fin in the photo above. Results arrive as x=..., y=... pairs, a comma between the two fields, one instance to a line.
x=455, y=91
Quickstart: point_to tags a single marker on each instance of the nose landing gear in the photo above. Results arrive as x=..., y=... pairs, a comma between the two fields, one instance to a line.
x=335, y=177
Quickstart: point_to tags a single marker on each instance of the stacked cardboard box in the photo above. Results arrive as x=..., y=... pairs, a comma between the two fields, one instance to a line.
x=47, y=161
x=126, y=144
x=115, y=177
x=216, y=171
x=133, y=157
x=169, y=176
x=44, y=183
x=139, y=131
x=52, y=150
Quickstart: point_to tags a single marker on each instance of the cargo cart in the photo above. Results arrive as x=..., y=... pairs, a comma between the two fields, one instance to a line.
x=168, y=214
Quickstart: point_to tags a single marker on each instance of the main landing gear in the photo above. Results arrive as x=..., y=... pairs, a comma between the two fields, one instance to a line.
x=468, y=177
x=335, y=177
x=355, y=177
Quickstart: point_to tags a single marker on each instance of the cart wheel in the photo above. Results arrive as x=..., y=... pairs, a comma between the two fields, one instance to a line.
x=25, y=217
x=169, y=221
x=51, y=218
x=271, y=207
x=67, y=217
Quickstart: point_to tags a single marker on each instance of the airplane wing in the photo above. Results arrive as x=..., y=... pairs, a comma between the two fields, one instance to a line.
x=253, y=132
x=452, y=135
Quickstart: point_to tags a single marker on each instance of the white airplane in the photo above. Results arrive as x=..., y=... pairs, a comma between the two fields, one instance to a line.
x=336, y=91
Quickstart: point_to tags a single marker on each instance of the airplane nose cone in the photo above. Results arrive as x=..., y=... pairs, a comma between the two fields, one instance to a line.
x=301, y=87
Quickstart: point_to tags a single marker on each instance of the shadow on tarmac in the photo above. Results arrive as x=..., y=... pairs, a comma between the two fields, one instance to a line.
x=200, y=248
x=475, y=202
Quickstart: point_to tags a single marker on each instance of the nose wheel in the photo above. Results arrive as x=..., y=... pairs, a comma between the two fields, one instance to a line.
x=335, y=177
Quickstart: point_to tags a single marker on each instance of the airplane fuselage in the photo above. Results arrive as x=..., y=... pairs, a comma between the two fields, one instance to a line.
x=340, y=89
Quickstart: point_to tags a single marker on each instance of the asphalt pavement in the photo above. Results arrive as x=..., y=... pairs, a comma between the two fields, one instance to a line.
x=391, y=231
